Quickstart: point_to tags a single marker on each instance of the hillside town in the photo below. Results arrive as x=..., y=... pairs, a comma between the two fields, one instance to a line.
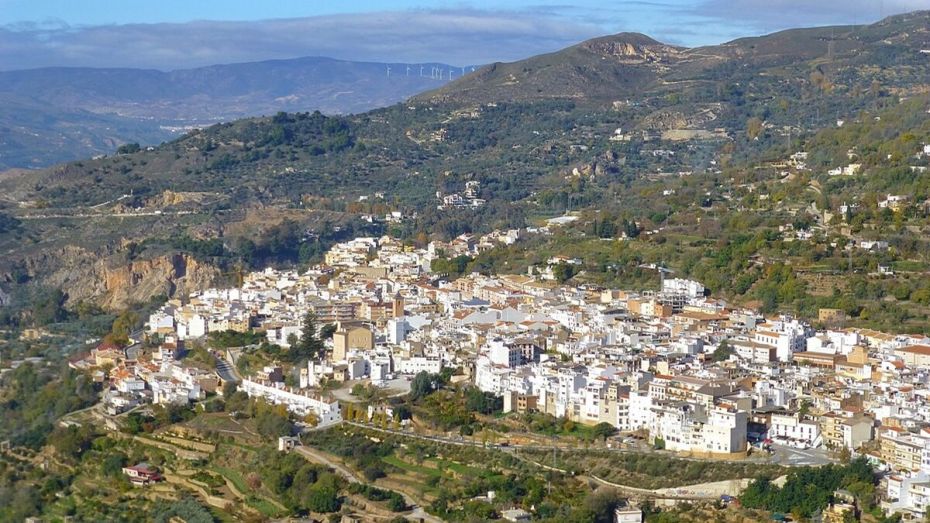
x=688, y=372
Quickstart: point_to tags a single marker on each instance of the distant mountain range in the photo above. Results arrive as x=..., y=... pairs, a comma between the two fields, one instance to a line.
x=51, y=115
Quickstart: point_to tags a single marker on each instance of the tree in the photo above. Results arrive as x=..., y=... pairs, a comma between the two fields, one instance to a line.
x=8, y=223
x=323, y=499
x=113, y=464
x=563, y=271
x=603, y=430
x=309, y=346
x=254, y=480
x=602, y=504
x=272, y=423
x=128, y=148
x=722, y=352
x=423, y=385
x=122, y=327
x=71, y=441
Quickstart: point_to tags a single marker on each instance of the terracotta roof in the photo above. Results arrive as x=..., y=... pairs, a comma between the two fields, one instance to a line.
x=923, y=350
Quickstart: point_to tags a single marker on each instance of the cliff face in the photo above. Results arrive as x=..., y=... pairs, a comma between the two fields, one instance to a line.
x=114, y=282
x=139, y=281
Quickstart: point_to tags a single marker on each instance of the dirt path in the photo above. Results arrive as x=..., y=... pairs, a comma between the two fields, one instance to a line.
x=318, y=457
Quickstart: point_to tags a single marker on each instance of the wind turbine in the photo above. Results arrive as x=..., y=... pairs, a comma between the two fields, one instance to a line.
x=389, y=71
x=408, y=70
x=421, y=70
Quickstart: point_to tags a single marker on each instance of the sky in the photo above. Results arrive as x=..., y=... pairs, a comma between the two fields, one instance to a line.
x=177, y=34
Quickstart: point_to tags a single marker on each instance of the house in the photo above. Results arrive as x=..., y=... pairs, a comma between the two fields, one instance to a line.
x=142, y=474
x=895, y=202
x=516, y=514
x=846, y=432
x=917, y=356
x=628, y=514
x=287, y=443
x=792, y=429
x=349, y=338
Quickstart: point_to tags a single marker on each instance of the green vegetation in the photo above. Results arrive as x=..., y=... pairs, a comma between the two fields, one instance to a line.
x=648, y=470
x=32, y=400
x=450, y=477
x=808, y=490
x=8, y=223
x=227, y=339
x=187, y=509
x=302, y=486
x=310, y=344
x=395, y=501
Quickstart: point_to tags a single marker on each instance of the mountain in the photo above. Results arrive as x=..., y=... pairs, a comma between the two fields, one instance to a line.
x=608, y=68
x=52, y=115
x=634, y=66
x=649, y=135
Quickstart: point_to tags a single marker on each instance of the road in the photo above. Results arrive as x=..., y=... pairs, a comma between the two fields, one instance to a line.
x=390, y=389
x=792, y=457
x=226, y=371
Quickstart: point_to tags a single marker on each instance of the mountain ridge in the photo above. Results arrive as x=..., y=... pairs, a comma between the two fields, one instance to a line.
x=54, y=114
x=582, y=72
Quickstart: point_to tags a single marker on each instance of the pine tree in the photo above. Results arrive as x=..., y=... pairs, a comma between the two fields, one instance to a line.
x=310, y=346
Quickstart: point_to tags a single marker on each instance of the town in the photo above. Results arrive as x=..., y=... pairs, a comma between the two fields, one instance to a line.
x=677, y=367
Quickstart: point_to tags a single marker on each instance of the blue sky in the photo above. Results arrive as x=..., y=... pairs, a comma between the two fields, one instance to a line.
x=172, y=34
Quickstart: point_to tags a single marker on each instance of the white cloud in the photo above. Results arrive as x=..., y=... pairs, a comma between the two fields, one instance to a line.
x=768, y=15
x=459, y=37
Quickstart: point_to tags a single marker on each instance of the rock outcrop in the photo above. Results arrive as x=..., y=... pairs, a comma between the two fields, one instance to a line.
x=113, y=281
x=139, y=281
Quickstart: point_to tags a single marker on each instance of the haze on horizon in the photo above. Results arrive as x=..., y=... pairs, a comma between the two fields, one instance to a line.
x=177, y=34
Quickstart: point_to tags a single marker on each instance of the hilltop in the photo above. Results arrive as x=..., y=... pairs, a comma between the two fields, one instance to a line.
x=632, y=66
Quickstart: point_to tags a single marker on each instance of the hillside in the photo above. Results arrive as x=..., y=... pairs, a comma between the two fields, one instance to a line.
x=633, y=67
x=603, y=69
x=52, y=115
x=642, y=137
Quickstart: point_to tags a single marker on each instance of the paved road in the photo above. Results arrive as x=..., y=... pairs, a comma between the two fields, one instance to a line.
x=226, y=371
x=226, y=368
x=792, y=457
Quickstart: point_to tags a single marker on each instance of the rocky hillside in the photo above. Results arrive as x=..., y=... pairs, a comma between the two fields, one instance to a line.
x=603, y=69
x=115, y=284
x=631, y=66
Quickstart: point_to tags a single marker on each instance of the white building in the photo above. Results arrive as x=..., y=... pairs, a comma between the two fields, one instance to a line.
x=298, y=401
x=791, y=429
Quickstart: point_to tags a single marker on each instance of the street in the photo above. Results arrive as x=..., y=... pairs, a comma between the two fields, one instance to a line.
x=792, y=457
